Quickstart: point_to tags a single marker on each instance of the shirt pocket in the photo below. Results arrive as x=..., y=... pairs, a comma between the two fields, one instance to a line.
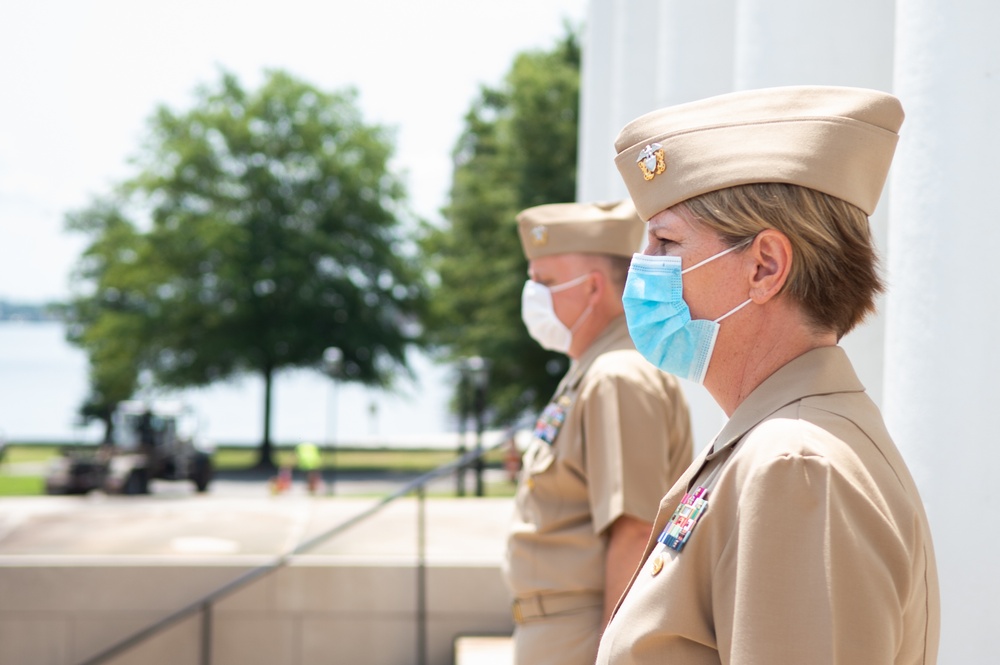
x=539, y=458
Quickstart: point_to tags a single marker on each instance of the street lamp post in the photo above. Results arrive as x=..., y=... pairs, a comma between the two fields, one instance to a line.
x=463, y=416
x=479, y=373
x=333, y=363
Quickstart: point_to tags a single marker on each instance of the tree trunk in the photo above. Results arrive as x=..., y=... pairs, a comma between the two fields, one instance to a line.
x=109, y=428
x=266, y=460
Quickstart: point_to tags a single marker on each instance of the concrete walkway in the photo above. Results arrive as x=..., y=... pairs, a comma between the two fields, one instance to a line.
x=260, y=525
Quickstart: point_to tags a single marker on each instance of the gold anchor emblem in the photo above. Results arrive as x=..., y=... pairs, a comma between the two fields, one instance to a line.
x=539, y=235
x=652, y=162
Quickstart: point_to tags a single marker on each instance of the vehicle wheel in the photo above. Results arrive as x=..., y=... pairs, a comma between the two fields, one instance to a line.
x=203, y=472
x=136, y=482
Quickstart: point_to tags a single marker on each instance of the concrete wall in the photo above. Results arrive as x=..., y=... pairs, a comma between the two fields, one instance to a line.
x=318, y=610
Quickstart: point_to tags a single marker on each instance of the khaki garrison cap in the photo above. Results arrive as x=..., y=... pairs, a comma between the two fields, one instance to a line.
x=836, y=140
x=585, y=228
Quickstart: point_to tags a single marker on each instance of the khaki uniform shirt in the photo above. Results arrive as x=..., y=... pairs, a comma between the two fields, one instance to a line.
x=813, y=546
x=612, y=440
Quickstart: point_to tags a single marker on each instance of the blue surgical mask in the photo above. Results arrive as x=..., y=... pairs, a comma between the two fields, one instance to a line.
x=660, y=322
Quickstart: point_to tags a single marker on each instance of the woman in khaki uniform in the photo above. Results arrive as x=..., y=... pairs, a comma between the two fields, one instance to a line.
x=798, y=535
x=613, y=439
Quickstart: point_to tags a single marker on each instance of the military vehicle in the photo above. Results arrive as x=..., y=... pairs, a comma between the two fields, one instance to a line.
x=152, y=440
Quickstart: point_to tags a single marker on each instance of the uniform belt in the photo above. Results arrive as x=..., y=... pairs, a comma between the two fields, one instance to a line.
x=550, y=604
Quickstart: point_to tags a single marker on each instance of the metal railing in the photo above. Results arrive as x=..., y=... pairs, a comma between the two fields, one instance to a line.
x=204, y=605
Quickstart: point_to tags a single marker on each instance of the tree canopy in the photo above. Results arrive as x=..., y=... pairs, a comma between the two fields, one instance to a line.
x=107, y=323
x=518, y=149
x=272, y=231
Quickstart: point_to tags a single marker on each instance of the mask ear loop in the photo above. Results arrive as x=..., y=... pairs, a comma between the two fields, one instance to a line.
x=586, y=312
x=743, y=244
x=570, y=284
x=733, y=310
x=711, y=258
x=739, y=245
x=583, y=317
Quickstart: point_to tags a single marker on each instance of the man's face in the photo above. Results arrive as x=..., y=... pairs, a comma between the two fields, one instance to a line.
x=557, y=269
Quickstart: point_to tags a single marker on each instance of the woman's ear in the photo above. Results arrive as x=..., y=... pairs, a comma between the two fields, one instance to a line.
x=771, y=255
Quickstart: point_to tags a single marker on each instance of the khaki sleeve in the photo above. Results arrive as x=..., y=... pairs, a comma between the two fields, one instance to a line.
x=811, y=572
x=628, y=447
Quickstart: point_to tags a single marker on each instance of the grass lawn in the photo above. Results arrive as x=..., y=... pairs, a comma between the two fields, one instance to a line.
x=21, y=485
x=410, y=461
x=28, y=453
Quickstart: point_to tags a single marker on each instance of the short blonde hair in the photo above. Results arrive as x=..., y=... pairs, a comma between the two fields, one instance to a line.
x=834, y=273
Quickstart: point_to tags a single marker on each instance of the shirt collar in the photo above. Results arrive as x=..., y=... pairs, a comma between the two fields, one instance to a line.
x=614, y=336
x=823, y=371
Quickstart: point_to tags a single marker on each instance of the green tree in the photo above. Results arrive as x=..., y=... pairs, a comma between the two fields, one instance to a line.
x=273, y=234
x=105, y=318
x=518, y=149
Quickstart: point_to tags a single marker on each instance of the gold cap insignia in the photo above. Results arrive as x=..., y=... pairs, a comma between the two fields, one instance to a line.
x=652, y=162
x=539, y=235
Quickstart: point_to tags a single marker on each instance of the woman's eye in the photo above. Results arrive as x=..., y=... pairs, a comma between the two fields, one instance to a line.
x=661, y=243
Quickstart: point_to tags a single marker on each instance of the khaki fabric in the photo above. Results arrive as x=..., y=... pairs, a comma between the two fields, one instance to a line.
x=836, y=140
x=624, y=439
x=567, y=638
x=611, y=228
x=814, y=547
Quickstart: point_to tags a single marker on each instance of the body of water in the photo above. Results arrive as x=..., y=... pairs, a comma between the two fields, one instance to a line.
x=43, y=381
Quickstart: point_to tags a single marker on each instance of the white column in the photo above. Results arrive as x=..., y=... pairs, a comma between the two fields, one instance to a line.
x=617, y=83
x=791, y=42
x=695, y=49
x=943, y=319
x=638, y=56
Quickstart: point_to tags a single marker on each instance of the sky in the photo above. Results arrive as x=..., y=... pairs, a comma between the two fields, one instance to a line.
x=80, y=78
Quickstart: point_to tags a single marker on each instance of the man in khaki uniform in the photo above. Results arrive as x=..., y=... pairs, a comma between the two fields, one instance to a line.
x=614, y=437
x=798, y=535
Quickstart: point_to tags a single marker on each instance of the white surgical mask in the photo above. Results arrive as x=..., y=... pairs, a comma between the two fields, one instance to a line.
x=540, y=316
